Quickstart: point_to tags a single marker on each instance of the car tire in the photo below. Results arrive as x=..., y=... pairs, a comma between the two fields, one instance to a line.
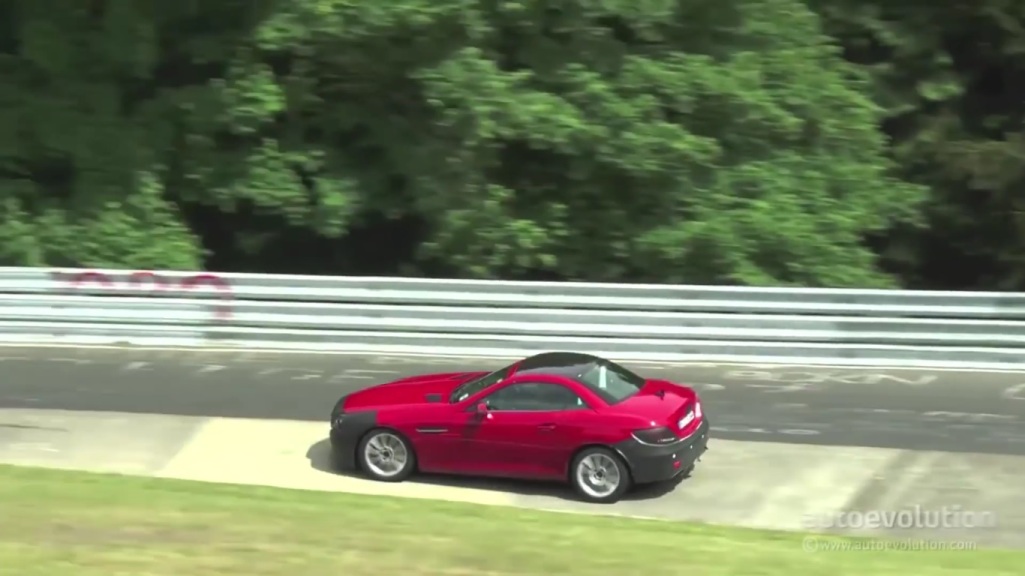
x=386, y=455
x=594, y=487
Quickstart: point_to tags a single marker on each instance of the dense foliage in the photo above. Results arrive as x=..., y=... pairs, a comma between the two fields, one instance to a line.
x=803, y=142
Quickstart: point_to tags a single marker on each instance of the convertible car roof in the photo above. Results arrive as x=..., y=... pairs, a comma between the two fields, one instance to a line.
x=556, y=363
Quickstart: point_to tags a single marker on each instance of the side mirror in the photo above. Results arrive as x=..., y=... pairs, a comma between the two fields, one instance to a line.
x=482, y=408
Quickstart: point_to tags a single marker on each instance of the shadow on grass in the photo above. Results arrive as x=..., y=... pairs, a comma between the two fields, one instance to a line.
x=319, y=456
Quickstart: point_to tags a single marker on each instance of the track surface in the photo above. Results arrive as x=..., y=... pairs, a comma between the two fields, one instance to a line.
x=888, y=408
x=790, y=443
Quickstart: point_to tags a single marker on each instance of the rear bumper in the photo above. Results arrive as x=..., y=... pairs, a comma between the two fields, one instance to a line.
x=661, y=463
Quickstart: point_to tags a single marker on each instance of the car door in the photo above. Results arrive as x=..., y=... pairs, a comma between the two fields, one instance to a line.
x=438, y=436
x=526, y=431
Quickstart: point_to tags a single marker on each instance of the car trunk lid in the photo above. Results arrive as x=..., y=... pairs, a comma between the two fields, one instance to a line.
x=665, y=403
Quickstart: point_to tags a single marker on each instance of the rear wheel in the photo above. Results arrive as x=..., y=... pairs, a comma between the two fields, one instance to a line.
x=385, y=455
x=599, y=475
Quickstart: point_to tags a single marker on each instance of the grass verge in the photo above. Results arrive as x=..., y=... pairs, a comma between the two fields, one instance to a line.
x=82, y=524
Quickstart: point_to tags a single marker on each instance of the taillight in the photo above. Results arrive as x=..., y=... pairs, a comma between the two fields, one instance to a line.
x=660, y=435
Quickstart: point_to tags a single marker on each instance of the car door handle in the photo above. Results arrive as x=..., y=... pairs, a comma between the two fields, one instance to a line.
x=546, y=427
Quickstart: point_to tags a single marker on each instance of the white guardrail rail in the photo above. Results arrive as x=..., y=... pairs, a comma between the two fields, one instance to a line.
x=466, y=317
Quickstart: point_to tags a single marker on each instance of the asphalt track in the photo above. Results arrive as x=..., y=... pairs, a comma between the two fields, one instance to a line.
x=791, y=444
x=886, y=408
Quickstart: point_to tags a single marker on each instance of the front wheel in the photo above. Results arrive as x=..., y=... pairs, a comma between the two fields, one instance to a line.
x=385, y=455
x=599, y=475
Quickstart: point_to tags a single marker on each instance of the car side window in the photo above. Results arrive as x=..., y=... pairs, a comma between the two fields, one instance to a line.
x=534, y=397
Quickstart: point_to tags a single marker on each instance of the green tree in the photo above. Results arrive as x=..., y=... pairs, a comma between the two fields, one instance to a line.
x=123, y=121
x=606, y=140
x=951, y=78
x=79, y=182
x=655, y=140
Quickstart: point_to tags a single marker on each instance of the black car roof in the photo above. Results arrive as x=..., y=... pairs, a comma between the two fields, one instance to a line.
x=569, y=364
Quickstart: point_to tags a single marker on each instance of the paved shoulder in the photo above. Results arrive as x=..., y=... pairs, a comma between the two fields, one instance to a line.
x=140, y=444
x=766, y=484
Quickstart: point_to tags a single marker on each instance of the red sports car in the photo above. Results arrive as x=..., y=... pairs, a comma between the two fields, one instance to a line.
x=554, y=416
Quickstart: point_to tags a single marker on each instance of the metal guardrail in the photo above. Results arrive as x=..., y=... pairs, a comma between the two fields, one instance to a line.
x=402, y=315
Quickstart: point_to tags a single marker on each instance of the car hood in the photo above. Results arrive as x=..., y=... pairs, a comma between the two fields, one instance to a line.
x=423, y=389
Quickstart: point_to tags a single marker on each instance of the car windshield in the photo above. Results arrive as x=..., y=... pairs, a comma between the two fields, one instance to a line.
x=611, y=381
x=467, y=389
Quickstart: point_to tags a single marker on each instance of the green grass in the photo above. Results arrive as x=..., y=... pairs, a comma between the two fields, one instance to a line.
x=80, y=524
